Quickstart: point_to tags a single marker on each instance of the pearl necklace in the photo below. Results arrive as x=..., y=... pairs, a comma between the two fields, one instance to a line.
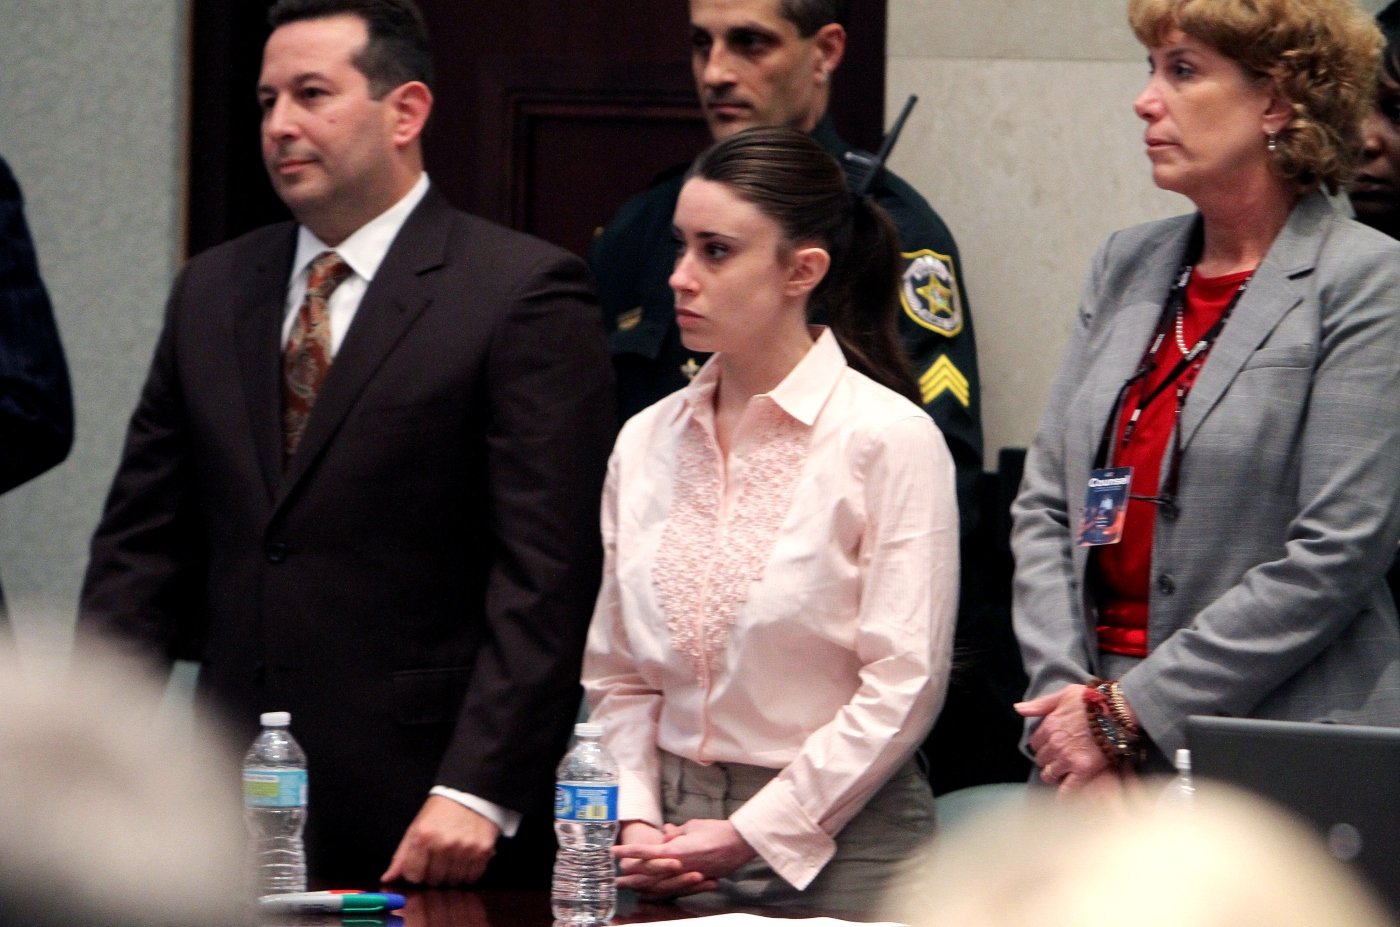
x=1181, y=315
x=1180, y=336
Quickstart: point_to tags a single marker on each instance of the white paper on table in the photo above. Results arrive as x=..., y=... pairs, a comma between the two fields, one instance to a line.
x=756, y=920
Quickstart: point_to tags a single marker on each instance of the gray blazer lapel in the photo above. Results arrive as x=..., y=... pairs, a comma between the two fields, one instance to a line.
x=258, y=341
x=1129, y=319
x=1135, y=315
x=1124, y=346
x=399, y=292
x=1278, y=286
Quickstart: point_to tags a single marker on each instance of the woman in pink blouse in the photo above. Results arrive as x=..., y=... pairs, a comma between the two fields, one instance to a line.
x=772, y=638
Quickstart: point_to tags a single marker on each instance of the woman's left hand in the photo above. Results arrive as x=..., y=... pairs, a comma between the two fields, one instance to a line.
x=711, y=847
x=1064, y=748
x=657, y=877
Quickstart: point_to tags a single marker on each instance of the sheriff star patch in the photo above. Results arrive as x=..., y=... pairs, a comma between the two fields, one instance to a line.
x=929, y=292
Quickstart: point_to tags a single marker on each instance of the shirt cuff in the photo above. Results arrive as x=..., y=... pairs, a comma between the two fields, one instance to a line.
x=506, y=820
x=780, y=830
x=638, y=798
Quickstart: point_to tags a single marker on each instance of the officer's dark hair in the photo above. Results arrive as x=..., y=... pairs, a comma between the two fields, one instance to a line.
x=810, y=15
x=397, y=51
x=791, y=180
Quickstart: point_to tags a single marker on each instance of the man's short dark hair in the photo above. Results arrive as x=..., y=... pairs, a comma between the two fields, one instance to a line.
x=397, y=51
x=810, y=15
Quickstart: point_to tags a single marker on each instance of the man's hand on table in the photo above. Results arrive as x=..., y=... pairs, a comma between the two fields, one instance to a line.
x=447, y=844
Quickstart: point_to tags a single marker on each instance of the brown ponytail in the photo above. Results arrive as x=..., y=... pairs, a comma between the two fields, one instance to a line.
x=791, y=180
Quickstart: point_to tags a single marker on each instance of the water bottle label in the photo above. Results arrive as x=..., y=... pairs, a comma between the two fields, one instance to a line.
x=274, y=788
x=585, y=801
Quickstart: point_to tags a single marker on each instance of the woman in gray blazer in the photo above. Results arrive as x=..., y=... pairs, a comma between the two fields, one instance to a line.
x=1234, y=378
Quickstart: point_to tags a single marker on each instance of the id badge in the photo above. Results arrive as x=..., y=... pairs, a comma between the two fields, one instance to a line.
x=1105, y=506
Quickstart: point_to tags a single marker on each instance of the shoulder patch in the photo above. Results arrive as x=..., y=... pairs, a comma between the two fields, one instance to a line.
x=929, y=292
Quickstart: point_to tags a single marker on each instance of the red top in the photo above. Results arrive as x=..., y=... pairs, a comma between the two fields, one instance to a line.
x=1125, y=568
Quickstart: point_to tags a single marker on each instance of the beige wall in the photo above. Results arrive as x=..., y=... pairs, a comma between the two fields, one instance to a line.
x=1024, y=140
x=91, y=121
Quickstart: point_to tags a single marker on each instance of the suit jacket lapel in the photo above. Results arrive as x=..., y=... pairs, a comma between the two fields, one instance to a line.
x=258, y=336
x=400, y=290
x=1123, y=350
x=1277, y=286
x=1135, y=323
x=1117, y=353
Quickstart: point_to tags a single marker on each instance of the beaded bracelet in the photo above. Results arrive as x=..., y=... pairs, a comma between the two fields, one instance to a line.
x=1113, y=730
x=1118, y=704
x=1094, y=707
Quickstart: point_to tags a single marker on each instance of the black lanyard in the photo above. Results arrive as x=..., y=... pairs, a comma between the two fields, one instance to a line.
x=1176, y=299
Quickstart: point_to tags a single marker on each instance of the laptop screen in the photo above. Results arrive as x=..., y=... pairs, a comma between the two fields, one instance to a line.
x=1343, y=779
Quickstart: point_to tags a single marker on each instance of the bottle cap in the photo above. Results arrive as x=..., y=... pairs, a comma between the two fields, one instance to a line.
x=584, y=729
x=276, y=718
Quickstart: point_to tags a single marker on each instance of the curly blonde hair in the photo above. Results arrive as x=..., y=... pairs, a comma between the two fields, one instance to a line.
x=1322, y=55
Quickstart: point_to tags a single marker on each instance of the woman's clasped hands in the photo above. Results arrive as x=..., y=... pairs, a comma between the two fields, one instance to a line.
x=1064, y=747
x=678, y=859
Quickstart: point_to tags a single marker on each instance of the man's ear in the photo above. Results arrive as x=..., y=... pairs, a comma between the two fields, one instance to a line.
x=830, y=45
x=808, y=268
x=409, y=106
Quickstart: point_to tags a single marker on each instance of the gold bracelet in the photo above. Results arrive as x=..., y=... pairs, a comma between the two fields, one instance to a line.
x=1119, y=705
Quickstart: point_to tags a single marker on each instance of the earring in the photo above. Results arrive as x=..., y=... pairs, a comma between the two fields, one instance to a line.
x=1272, y=143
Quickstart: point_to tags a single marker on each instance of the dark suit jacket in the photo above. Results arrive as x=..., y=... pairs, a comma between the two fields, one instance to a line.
x=415, y=587
x=36, y=403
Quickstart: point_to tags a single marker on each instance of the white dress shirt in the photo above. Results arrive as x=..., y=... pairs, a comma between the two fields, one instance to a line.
x=364, y=251
x=790, y=607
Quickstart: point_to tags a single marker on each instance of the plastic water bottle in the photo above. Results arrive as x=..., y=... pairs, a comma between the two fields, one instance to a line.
x=1180, y=792
x=585, y=823
x=274, y=806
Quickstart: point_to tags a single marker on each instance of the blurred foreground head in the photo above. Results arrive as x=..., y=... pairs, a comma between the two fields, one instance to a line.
x=110, y=813
x=1228, y=861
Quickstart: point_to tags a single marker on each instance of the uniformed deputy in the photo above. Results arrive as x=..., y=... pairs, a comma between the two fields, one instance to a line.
x=765, y=62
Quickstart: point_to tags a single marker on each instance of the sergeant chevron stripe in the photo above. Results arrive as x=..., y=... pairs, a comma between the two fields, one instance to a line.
x=943, y=377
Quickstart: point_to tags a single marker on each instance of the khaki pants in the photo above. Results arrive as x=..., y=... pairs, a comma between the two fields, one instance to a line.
x=898, y=820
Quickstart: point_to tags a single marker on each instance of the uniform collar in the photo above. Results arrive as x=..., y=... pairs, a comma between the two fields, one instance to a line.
x=824, y=133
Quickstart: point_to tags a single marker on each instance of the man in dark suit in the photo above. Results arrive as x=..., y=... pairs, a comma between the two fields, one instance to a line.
x=362, y=487
x=36, y=403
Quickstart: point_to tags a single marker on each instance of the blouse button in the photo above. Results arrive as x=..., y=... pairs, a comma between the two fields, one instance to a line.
x=1165, y=584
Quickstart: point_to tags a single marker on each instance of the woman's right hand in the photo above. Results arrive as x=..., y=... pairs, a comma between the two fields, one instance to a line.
x=653, y=879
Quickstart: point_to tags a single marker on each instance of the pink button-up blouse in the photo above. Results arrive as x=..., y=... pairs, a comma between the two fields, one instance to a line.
x=790, y=607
